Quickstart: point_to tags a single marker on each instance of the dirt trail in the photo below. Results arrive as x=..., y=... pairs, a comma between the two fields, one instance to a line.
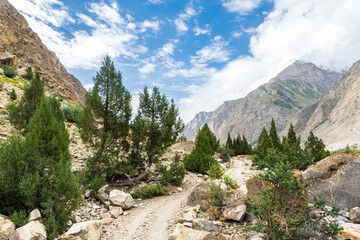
x=155, y=218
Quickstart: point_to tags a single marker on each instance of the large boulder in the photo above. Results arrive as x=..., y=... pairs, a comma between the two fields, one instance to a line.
x=90, y=230
x=200, y=195
x=7, y=227
x=351, y=231
x=236, y=213
x=336, y=179
x=355, y=215
x=34, y=230
x=184, y=233
x=121, y=199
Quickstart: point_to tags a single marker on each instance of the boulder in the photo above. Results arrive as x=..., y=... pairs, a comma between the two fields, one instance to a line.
x=200, y=195
x=336, y=179
x=34, y=230
x=90, y=230
x=121, y=199
x=184, y=233
x=115, y=211
x=236, y=213
x=35, y=215
x=7, y=227
x=355, y=215
x=102, y=195
x=206, y=225
x=351, y=231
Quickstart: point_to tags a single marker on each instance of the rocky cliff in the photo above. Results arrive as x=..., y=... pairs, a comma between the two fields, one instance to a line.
x=18, y=39
x=295, y=88
x=335, y=117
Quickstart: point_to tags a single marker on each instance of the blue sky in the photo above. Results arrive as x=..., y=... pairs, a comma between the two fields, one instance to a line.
x=198, y=52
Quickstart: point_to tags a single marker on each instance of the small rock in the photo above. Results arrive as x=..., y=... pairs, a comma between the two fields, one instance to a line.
x=235, y=213
x=355, y=215
x=122, y=199
x=205, y=177
x=7, y=227
x=341, y=219
x=115, y=211
x=180, y=189
x=69, y=223
x=344, y=214
x=35, y=215
x=87, y=193
x=95, y=206
x=187, y=224
x=105, y=215
x=102, y=195
x=90, y=230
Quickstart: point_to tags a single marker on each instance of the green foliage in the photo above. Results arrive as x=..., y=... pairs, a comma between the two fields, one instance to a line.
x=225, y=152
x=230, y=183
x=21, y=113
x=1, y=85
x=182, y=138
x=176, y=173
x=315, y=147
x=95, y=184
x=29, y=73
x=271, y=151
x=216, y=171
x=347, y=149
x=72, y=113
x=201, y=157
x=150, y=191
x=105, y=122
x=19, y=218
x=13, y=95
x=9, y=71
x=36, y=171
x=284, y=215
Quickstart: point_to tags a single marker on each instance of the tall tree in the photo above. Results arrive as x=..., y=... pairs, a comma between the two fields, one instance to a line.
x=247, y=146
x=156, y=126
x=274, y=138
x=315, y=147
x=291, y=136
x=105, y=121
x=229, y=142
x=21, y=113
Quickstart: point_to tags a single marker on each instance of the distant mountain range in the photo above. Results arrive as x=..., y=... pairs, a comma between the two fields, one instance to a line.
x=298, y=86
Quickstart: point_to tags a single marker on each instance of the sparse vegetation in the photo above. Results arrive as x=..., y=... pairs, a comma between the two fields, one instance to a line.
x=9, y=71
x=13, y=95
x=72, y=113
x=175, y=174
x=150, y=191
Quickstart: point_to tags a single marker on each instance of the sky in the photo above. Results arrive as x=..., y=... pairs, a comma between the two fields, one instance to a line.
x=198, y=52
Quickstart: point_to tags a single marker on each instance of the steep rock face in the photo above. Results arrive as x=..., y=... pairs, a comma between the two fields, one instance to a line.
x=198, y=121
x=17, y=38
x=335, y=117
x=295, y=88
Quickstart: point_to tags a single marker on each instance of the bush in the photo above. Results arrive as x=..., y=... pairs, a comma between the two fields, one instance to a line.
x=29, y=73
x=9, y=71
x=150, y=191
x=1, y=86
x=95, y=184
x=13, y=95
x=198, y=163
x=284, y=213
x=72, y=113
x=19, y=218
x=175, y=175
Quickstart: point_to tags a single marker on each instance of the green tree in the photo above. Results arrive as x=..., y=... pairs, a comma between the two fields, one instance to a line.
x=21, y=113
x=40, y=171
x=274, y=138
x=247, y=147
x=105, y=121
x=291, y=137
x=29, y=73
x=229, y=142
x=156, y=126
x=13, y=95
x=315, y=147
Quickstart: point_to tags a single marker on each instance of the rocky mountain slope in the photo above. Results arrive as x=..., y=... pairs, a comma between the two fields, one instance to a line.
x=335, y=117
x=297, y=86
x=199, y=120
x=18, y=39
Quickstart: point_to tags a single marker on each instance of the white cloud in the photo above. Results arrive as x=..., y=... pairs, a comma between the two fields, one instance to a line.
x=147, y=68
x=88, y=86
x=49, y=11
x=202, y=31
x=243, y=7
x=180, y=21
x=215, y=52
x=110, y=33
x=325, y=32
x=155, y=1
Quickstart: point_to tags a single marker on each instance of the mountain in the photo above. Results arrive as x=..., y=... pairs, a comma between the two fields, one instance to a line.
x=296, y=87
x=199, y=120
x=18, y=39
x=335, y=117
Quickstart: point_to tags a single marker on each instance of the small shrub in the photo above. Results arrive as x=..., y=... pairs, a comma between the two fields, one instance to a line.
x=19, y=218
x=95, y=184
x=29, y=73
x=150, y=191
x=13, y=95
x=230, y=183
x=1, y=86
x=9, y=71
x=72, y=113
x=175, y=175
x=198, y=163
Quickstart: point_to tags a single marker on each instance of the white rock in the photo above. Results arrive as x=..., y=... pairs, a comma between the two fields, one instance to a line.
x=115, y=211
x=90, y=230
x=34, y=230
x=235, y=213
x=355, y=215
x=35, y=215
x=121, y=199
x=7, y=227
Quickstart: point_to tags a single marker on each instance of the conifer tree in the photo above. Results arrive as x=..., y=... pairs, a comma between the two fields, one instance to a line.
x=247, y=146
x=315, y=147
x=21, y=113
x=105, y=121
x=291, y=136
x=229, y=142
x=275, y=141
